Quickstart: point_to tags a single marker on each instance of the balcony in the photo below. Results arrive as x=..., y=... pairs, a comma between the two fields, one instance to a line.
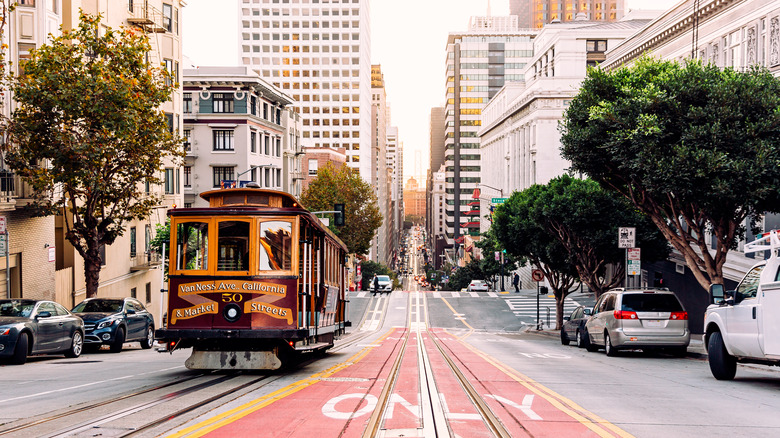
x=7, y=193
x=145, y=261
x=146, y=17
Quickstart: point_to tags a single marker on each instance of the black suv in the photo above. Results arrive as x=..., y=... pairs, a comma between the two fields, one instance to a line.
x=114, y=321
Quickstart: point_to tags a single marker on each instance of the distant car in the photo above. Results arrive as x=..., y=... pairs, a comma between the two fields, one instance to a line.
x=114, y=321
x=385, y=283
x=477, y=286
x=29, y=327
x=574, y=326
x=638, y=319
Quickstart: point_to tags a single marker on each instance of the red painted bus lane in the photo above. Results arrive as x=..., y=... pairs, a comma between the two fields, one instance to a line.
x=524, y=406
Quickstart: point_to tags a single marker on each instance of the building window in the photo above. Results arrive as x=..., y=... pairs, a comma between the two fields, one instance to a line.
x=133, y=293
x=132, y=242
x=278, y=177
x=188, y=140
x=253, y=174
x=169, y=181
x=266, y=144
x=188, y=176
x=253, y=105
x=171, y=73
x=253, y=142
x=26, y=2
x=222, y=174
x=176, y=21
x=130, y=5
x=596, y=45
x=278, y=146
x=187, y=107
x=223, y=102
x=167, y=11
x=265, y=110
x=148, y=293
x=223, y=140
x=313, y=167
x=268, y=177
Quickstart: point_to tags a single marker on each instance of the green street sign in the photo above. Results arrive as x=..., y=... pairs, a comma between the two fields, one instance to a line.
x=498, y=200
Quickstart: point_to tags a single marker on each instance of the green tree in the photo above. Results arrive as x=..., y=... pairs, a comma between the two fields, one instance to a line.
x=694, y=147
x=361, y=212
x=585, y=218
x=518, y=228
x=369, y=268
x=88, y=132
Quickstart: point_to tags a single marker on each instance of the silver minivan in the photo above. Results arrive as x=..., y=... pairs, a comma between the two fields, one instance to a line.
x=626, y=319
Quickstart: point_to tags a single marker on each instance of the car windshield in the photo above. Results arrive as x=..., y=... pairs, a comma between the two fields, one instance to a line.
x=16, y=308
x=383, y=277
x=477, y=282
x=651, y=303
x=112, y=306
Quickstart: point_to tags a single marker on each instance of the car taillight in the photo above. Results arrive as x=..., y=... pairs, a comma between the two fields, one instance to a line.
x=624, y=314
x=679, y=316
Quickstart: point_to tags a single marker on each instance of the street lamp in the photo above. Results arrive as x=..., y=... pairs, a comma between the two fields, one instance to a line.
x=500, y=191
x=247, y=171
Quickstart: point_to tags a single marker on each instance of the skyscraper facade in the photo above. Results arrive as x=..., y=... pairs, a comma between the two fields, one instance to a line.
x=537, y=13
x=380, y=179
x=319, y=53
x=480, y=61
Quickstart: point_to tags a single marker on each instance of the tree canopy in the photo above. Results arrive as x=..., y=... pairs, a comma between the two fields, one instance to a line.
x=585, y=218
x=88, y=133
x=361, y=212
x=694, y=147
x=518, y=228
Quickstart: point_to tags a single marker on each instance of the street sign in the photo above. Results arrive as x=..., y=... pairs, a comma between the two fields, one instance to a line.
x=3, y=244
x=626, y=237
x=2, y=224
x=634, y=265
x=498, y=200
x=498, y=256
x=537, y=275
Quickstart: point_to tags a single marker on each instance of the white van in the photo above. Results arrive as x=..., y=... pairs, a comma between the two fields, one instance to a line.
x=743, y=325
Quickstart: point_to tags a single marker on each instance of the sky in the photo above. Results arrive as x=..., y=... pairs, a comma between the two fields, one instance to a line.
x=408, y=38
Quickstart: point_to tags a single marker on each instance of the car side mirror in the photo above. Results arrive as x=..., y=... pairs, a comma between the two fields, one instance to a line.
x=587, y=312
x=566, y=318
x=717, y=294
x=131, y=311
x=44, y=314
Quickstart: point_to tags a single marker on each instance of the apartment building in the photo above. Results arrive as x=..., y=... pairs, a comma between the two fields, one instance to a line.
x=319, y=53
x=380, y=173
x=492, y=52
x=238, y=129
x=538, y=13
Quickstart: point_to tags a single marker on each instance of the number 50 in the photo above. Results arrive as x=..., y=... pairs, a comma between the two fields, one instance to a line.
x=232, y=298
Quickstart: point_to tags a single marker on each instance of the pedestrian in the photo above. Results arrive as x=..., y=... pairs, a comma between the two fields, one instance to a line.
x=516, y=282
x=376, y=284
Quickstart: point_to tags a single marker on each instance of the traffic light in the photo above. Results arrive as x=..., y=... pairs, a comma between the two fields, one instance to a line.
x=338, y=219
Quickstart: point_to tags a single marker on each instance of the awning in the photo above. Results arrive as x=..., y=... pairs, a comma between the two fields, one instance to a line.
x=459, y=239
x=471, y=224
x=473, y=203
x=472, y=213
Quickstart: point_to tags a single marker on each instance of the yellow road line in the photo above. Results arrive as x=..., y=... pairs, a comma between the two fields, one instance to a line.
x=232, y=415
x=569, y=407
x=471, y=329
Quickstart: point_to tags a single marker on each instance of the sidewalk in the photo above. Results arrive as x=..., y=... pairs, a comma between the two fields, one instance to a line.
x=695, y=348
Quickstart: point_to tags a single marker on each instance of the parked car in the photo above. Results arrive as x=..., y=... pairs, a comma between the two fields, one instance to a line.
x=29, y=327
x=385, y=283
x=114, y=321
x=625, y=319
x=574, y=326
x=477, y=286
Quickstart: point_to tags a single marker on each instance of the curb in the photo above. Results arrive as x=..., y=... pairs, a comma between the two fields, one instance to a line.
x=693, y=353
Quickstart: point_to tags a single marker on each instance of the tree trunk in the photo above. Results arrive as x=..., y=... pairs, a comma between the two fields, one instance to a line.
x=92, y=271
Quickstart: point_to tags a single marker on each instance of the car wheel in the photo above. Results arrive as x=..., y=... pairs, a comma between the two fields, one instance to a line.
x=76, y=345
x=148, y=341
x=20, y=352
x=564, y=337
x=722, y=364
x=119, y=339
x=608, y=348
x=578, y=338
x=590, y=346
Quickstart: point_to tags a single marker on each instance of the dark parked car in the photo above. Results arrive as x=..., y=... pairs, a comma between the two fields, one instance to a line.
x=574, y=326
x=114, y=321
x=30, y=327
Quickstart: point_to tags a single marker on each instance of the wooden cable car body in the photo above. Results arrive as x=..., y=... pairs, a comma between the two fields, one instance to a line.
x=253, y=279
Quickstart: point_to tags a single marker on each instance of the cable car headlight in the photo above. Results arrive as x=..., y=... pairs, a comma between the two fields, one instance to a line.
x=232, y=312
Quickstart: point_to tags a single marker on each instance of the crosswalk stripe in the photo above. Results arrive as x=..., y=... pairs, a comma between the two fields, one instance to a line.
x=492, y=294
x=455, y=294
x=474, y=294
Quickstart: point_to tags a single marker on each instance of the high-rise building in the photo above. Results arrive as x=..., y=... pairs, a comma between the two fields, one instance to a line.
x=320, y=54
x=436, y=144
x=380, y=179
x=537, y=13
x=492, y=52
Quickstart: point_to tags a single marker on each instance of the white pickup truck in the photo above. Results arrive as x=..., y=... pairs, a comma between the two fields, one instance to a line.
x=743, y=325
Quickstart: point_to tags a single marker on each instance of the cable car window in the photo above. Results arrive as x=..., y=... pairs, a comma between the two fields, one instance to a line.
x=192, y=245
x=275, y=246
x=233, y=246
